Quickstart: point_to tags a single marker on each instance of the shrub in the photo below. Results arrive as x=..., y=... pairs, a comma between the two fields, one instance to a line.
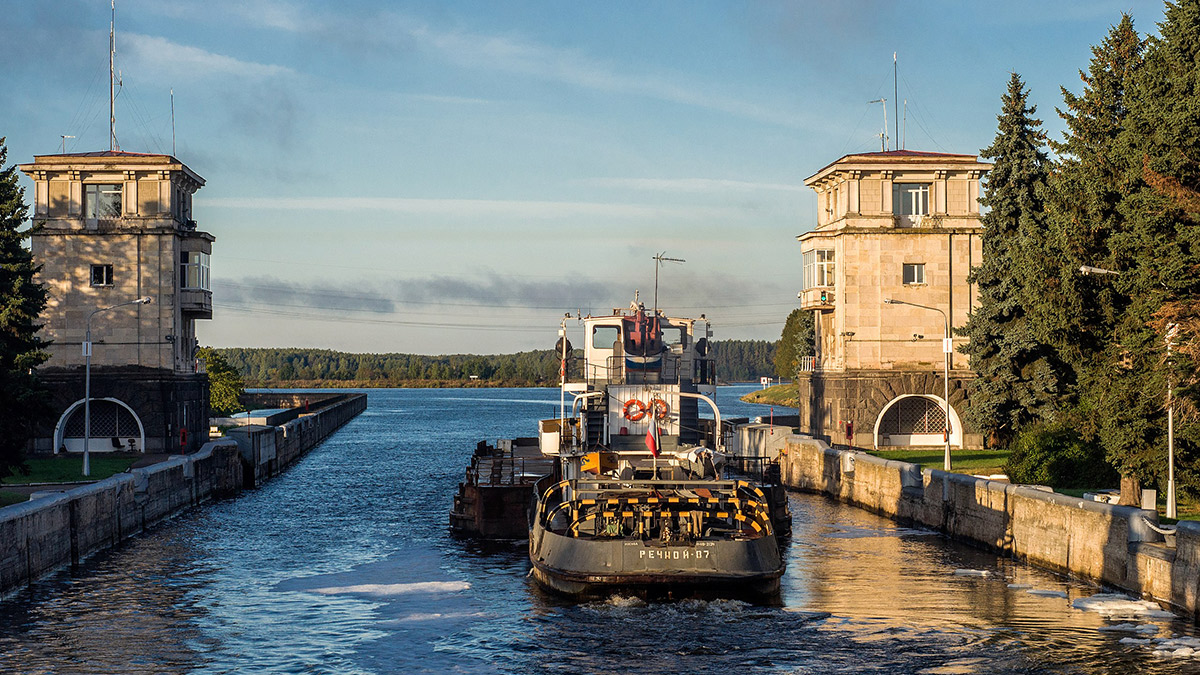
x=1058, y=456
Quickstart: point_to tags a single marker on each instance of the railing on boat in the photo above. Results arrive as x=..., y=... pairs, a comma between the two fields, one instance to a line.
x=656, y=506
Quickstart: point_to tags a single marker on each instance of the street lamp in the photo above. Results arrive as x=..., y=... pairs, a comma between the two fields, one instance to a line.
x=947, y=348
x=87, y=380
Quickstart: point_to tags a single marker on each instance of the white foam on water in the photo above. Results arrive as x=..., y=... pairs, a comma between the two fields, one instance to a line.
x=621, y=601
x=972, y=573
x=1117, y=605
x=1135, y=641
x=1144, y=629
x=1046, y=593
x=437, y=616
x=386, y=590
x=1020, y=586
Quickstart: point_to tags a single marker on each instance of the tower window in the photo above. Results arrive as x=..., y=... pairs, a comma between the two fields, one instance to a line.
x=102, y=275
x=818, y=267
x=914, y=273
x=193, y=271
x=102, y=200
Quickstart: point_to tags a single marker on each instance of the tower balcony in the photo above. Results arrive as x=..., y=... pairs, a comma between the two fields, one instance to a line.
x=196, y=303
x=820, y=297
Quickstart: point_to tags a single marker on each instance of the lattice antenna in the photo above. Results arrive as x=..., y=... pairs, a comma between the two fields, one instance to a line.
x=658, y=261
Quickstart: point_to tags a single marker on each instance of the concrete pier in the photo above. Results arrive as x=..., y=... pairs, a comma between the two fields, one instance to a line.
x=1104, y=543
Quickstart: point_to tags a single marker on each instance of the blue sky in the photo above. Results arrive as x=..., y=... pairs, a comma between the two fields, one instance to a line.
x=439, y=177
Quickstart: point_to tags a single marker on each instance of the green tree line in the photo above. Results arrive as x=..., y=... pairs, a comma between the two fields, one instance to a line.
x=737, y=360
x=1073, y=368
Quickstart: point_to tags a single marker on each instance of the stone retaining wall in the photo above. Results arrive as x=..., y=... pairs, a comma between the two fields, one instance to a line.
x=45, y=534
x=267, y=457
x=1104, y=543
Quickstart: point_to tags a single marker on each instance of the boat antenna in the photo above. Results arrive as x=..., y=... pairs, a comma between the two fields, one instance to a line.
x=112, y=79
x=64, y=139
x=883, y=137
x=658, y=261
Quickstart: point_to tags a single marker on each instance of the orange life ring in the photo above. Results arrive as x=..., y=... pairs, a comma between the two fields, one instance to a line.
x=182, y=436
x=661, y=409
x=639, y=414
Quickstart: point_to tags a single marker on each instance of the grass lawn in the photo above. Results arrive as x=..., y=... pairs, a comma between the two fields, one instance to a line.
x=10, y=498
x=781, y=394
x=984, y=462
x=69, y=469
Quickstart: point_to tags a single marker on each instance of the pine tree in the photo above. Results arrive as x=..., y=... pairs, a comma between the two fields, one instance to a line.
x=1021, y=378
x=795, y=342
x=22, y=299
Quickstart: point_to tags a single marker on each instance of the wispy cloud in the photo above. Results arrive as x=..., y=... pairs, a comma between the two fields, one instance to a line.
x=157, y=57
x=704, y=185
x=573, y=67
x=341, y=297
x=513, y=54
x=687, y=290
x=477, y=208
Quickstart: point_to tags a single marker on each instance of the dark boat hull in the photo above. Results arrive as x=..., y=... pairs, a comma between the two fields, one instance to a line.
x=576, y=566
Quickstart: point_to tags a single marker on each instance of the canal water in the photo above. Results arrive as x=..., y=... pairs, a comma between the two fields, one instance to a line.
x=344, y=565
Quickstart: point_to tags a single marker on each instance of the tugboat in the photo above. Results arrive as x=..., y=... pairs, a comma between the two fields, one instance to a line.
x=638, y=499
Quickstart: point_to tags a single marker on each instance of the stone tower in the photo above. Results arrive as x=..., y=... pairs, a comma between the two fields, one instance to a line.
x=904, y=226
x=112, y=227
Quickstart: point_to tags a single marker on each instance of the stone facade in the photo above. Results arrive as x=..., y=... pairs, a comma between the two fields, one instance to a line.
x=897, y=226
x=115, y=227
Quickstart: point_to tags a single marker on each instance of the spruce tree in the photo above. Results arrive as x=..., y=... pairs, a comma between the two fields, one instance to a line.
x=1156, y=244
x=22, y=397
x=1020, y=377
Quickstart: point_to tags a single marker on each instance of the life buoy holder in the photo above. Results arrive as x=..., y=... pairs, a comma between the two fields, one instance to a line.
x=182, y=436
x=635, y=410
x=660, y=409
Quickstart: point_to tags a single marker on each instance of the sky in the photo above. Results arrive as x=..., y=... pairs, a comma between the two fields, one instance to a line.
x=453, y=177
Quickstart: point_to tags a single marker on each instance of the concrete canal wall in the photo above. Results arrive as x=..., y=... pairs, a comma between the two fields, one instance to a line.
x=1104, y=543
x=51, y=532
x=45, y=534
x=268, y=450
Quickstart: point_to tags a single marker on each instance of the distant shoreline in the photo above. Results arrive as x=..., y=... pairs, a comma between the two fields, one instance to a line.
x=412, y=384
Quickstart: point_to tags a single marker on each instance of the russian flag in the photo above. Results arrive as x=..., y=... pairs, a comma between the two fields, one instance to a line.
x=652, y=439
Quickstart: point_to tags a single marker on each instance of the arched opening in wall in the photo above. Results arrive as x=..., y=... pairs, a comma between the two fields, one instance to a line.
x=115, y=428
x=916, y=420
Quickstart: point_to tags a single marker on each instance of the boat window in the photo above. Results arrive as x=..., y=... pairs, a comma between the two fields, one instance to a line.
x=603, y=337
x=672, y=335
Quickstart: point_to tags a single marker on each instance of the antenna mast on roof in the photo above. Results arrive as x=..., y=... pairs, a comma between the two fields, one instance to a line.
x=112, y=79
x=658, y=261
x=65, y=137
x=883, y=136
x=896, y=95
x=172, y=121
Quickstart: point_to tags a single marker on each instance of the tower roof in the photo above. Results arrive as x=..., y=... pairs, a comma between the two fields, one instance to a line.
x=899, y=159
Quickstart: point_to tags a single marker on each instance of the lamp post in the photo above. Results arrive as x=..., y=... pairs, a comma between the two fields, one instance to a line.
x=1169, y=339
x=947, y=348
x=1172, y=330
x=87, y=380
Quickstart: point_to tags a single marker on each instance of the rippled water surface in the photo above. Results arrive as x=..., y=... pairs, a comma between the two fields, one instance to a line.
x=344, y=565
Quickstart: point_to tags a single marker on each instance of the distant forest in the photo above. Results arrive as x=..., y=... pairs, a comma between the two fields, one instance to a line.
x=737, y=361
